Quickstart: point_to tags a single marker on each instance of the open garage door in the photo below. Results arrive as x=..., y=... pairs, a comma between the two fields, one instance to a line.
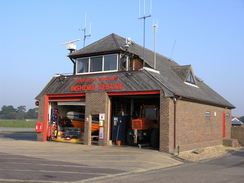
x=126, y=109
x=66, y=121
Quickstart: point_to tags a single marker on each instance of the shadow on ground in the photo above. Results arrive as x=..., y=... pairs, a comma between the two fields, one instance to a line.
x=239, y=152
x=18, y=136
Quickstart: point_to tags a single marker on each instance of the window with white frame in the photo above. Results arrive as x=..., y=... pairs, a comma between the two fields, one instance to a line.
x=105, y=63
x=83, y=65
x=110, y=62
x=96, y=64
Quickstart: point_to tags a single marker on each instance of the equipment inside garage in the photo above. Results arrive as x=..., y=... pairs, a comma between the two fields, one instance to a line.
x=67, y=122
x=134, y=121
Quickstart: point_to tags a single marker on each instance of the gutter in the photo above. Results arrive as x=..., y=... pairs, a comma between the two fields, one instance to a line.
x=94, y=53
x=206, y=102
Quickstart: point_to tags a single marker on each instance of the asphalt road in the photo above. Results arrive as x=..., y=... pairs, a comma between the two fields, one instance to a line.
x=23, y=159
x=227, y=169
x=16, y=168
x=6, y=133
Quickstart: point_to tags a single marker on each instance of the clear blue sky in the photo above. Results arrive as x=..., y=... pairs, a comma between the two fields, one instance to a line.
x=208, y=34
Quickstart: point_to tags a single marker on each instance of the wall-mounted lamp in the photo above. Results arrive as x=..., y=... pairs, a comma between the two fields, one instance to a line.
x=37, y=103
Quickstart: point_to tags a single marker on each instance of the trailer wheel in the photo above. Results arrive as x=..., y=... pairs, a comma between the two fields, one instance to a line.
x=129, y=137
x=155, y=138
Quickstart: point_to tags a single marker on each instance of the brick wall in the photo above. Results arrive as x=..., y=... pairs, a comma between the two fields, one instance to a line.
x=237, y=132
x=41, y=116
x=191, y=129
x=195, y=130
x=97, y=103
x=166, y=125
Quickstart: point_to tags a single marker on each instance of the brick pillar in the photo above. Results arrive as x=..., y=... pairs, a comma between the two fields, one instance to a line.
x=166, y=124
x=41, y=116
x=97, y=103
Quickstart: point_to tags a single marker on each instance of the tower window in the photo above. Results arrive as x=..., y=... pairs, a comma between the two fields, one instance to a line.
x=105, y=63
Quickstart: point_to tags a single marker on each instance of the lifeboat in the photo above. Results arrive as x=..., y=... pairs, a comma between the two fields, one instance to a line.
x=78, y=119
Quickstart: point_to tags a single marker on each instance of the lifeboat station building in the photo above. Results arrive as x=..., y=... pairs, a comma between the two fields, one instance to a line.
x=121, y=93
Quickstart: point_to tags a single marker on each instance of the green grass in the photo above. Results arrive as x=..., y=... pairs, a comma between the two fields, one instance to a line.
x=17, y=123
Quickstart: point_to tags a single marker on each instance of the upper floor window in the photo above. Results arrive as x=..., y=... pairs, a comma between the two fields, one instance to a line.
x=82, y=65
x=96, y=64
x=110, y=62
x=190, y=78
x=103, y=63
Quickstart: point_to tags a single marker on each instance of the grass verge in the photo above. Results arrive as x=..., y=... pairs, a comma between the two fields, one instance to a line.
x=19, y=132
x=17, y=123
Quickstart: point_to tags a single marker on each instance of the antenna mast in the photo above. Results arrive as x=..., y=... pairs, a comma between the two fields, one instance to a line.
x=172, y=50
x=144, y=22
x=86, y=35
x=155, y=60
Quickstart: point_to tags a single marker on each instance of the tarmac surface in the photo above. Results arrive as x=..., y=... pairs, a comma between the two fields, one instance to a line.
x=23, y=159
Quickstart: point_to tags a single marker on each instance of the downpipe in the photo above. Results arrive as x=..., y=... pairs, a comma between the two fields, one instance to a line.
x=74, y=65
x=175, y=112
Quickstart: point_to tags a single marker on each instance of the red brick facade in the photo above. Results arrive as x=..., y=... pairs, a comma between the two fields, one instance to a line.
x=183, y=124
x=195, y=130
x=41, y=116
x=97, y=103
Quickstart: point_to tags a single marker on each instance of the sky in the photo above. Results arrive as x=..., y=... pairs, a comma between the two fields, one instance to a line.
x=207, y=34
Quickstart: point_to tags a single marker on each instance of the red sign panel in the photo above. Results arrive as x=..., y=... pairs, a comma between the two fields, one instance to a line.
x=96, y=87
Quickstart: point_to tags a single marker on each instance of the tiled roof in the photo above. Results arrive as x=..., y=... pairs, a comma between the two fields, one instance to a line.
x=109, y=43
x=182, y=71
x=170, y=79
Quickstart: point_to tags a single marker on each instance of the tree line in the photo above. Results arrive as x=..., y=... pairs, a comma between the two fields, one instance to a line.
x=19, y=113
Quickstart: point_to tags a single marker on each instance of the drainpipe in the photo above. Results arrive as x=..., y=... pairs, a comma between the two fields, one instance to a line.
x=74, y=65
x=175, y=111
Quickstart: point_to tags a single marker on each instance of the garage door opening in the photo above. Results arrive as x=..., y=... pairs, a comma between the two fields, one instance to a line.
x=94, y=128
x=66, y=121
x=135, y=120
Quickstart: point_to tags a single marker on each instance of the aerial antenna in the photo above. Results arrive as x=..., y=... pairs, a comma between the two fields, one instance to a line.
x=86, y=35
x=144, y=18
x=172, y=50
x=155, y=26
x=70, y=46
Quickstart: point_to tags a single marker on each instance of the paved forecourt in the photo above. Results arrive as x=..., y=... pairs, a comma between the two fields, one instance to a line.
x=51, y=161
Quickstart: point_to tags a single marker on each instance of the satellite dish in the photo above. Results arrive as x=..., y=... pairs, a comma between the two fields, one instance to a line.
x=70, y=46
